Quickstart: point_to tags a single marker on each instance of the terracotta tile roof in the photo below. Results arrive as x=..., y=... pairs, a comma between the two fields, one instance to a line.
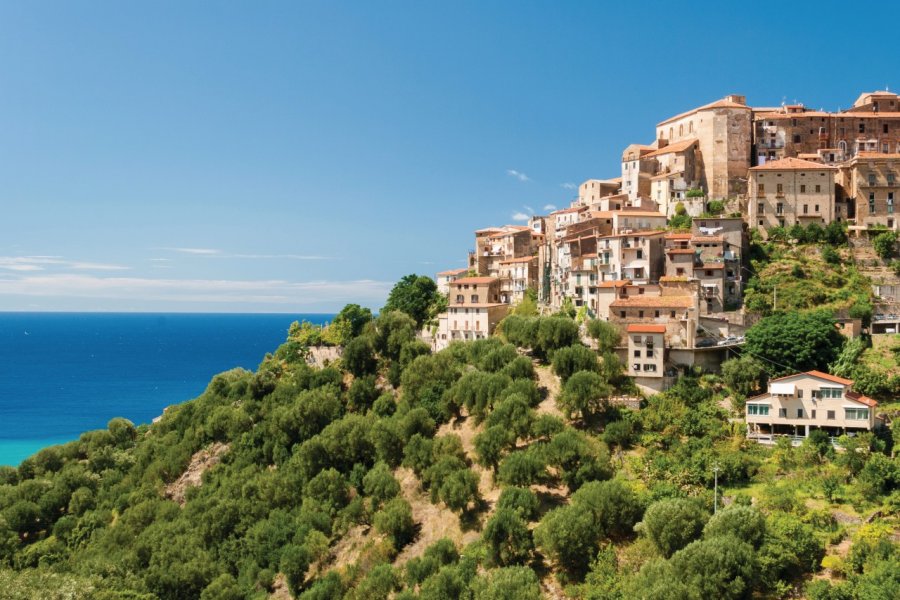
x=667, y=175
x=643, y=301
x=642, y=328
x=713, y=266
x=792, y=164
x=672, y=148
x=680, y=250
x=454, y=271
x=614, y=284
x=864, y=399
x=724, y=103
x=474, y=280
x=487, y=230
x=567, y=210
x=707, y=238
x=679, y=236
x=673, y=279
x=871, y=155
x=882, y=114
x=819, y=375
x=477, y=305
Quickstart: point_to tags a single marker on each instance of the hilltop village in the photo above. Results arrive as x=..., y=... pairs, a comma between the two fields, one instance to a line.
x=662, y=250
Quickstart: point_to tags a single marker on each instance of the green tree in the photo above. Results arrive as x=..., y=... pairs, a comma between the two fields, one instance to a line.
x=585, y=393
x=744, y=375
x=794, y=342
x=743, y=522
x=673, y=523
x=359, y=356
x=508, y=583
x=395, y=521
x=414, y=295
x=356, y=316
x=380, y=484
x=885, y=244
x=569, y=536
x=507, y=539
x=492, y=443
x=520, y=500
x=720, y=567
x=572, y=359
x=605, y=334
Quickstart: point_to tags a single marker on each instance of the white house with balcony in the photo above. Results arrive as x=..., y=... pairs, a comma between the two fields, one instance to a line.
x=797, y=404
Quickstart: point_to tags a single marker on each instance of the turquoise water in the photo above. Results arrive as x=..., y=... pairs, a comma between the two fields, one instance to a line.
x=65, y=373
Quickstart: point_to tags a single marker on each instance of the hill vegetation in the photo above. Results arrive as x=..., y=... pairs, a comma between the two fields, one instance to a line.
x=496, y=469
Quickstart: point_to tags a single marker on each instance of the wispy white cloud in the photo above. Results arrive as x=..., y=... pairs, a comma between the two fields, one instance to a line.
x=41, y=263
x=520, y=216
x=549, y=207
x=528, y=209
x=518, y=175
x=568, y=186
x=195, y=251
x=216, y=253
x=214, y=291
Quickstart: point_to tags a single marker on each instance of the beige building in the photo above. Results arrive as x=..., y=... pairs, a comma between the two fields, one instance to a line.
x=789, y=191
x=646, y=350
x=591, y=191
x=723, y=133
x=797, y=404
x=674, y=174
x=636, y=171
x=445, y=278
x=517, y=276
x=474, y=309
x=870, y=182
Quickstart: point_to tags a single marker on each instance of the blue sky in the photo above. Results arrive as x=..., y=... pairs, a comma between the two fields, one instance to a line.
x=296, y=156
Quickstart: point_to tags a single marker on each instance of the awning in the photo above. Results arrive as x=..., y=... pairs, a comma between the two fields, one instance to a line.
x=782, y=389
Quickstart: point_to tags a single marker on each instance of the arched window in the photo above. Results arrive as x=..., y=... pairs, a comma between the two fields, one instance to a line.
x=691, y=127
x=671, y=133
x=843, y=146
x=681, y=130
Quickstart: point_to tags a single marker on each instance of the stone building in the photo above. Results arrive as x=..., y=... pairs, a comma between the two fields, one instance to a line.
x=723, y=133
x=870, y=183
x=789, y=191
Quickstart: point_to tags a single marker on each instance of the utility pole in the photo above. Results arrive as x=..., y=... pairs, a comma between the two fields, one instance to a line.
x=716, y=488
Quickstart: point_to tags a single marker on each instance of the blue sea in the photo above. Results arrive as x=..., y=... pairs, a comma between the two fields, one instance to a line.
x=65, y=373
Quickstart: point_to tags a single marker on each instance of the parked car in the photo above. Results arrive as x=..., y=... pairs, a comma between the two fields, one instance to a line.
x=706, y=342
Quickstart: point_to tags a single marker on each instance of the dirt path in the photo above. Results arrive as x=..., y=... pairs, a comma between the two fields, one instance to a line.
x=201, y=462
x=435, y=522
x=549, y=382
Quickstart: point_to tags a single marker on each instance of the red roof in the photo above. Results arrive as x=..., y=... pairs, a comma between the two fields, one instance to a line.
x=454, y=271
x=640, y=328
x=820, y=375
x=474, y=280
x=614, y=284
x=792, y=164
x=864, y=399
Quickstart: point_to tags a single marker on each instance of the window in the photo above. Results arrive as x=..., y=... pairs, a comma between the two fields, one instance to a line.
x=761, y=189
x=779, y=209
x=818, y=188
x=672, y=314
x=640, y=314
x=890, y=178
x=796, y=138
x=650, y=367
x=862, y=127
x=831, y=393
x=622, y=314
x=474, y=298
x=780, y=188
x=758, y=409
x=805, y=209
x=637, y=353
x=812, y=414
x=800, y=393
x=650, y=353
x=761, y=208
x=817, y=209
x=831, y=415
x=884, y=128
x=871, y=178
x=871, y=203
x=640, y=254
x=799, y=413
x=856, y=414
x=803, y=189
x=782, y=413
x=460, y=298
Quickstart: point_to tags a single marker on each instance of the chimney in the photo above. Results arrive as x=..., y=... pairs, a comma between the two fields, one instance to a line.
x=736, y=98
